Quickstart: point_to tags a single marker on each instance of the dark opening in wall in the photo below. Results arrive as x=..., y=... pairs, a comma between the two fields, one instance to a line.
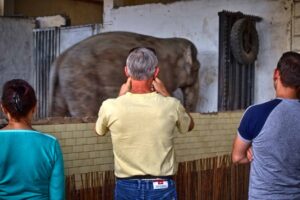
x=238, y=49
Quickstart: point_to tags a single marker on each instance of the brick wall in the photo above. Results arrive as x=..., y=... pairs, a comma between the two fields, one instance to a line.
x=84, y=151
x=213, y=135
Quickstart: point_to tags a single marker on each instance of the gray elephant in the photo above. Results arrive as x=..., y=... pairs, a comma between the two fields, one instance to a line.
x=93, y=70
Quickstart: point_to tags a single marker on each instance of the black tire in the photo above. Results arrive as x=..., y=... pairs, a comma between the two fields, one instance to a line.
x=244, y=41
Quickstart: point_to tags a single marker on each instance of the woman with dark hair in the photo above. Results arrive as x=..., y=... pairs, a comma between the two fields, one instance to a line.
x=31, y=163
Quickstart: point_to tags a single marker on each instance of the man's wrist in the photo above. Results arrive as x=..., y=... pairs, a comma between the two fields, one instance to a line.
x=165, y=94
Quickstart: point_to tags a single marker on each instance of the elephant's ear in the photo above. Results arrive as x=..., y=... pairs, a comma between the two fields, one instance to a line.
x=188, y=58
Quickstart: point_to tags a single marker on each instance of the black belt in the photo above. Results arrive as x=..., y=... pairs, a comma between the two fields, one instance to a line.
x=145, y=177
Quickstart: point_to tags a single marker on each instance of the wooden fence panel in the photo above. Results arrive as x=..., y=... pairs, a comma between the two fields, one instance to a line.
x=205, y=179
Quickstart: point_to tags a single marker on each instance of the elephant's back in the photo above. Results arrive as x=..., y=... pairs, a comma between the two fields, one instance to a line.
x=113, y=48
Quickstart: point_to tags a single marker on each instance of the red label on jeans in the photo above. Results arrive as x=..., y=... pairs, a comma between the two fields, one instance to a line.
x=160, y=184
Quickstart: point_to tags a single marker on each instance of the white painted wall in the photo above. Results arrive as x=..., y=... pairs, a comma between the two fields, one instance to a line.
x=69, y=36
x=198, y=21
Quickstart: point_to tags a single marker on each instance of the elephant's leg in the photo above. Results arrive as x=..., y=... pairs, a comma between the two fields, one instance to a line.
x=190, y=94
x=58, y=106
x=84, y=103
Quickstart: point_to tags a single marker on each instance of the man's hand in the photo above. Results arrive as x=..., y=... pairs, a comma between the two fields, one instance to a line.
x=125, y=87
x=250, y=154
x=160, y=87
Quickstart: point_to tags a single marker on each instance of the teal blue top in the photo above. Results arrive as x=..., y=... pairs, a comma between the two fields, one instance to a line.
x=31, y=166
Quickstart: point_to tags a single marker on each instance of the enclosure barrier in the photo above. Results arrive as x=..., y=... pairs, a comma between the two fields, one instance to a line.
x=215, y=178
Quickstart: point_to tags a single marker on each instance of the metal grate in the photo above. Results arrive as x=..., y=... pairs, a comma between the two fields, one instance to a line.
x=46, y=49
x=236, y=81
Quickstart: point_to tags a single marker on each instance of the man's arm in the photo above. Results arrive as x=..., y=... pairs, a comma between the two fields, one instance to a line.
x=101, y=125
x=161, y=89
x=125, y=87
x=240, y=150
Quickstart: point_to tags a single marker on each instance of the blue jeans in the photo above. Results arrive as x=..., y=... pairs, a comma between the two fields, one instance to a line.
x=144, y=189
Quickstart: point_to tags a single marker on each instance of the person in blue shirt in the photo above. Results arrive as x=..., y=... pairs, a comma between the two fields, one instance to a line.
x=269, y=137
x=31, y=162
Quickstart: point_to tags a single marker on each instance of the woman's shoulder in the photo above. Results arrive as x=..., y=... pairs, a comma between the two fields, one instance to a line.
x=27, y=133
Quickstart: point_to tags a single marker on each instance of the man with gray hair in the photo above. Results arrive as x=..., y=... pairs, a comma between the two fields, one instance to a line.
x=142, y=123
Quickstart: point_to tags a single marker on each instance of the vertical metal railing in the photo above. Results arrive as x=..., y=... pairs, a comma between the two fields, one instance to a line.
x=46, y=45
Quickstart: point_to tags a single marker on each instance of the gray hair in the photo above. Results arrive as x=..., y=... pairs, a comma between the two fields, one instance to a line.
x=141, y=63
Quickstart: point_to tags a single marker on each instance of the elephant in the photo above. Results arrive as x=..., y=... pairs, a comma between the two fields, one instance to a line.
x=91, y=71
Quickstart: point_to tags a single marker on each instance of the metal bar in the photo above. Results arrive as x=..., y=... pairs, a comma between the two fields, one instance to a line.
x=221, y=82
x=244, y=85
x=46, y=48
x=252, y=84
x=237, y=86
x=39, y=72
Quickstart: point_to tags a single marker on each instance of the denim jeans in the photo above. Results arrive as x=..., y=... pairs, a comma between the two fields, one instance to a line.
x=144, y=189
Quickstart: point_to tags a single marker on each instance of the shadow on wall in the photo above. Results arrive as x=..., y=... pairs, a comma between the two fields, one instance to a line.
x=208, y=80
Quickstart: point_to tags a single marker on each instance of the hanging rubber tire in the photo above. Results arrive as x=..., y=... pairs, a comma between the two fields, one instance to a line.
x=244, y=41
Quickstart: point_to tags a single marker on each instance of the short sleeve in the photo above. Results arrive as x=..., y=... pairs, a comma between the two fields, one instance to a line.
x=254, y=119
x=184, y=119
x=57, y=180
x=244, y=129
x=102, y=121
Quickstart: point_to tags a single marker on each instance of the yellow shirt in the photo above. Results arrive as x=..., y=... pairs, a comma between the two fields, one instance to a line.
x=142, y=128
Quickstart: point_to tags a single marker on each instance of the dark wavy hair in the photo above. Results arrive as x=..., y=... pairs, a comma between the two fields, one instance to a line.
x=18, y=98
x=289, y=69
